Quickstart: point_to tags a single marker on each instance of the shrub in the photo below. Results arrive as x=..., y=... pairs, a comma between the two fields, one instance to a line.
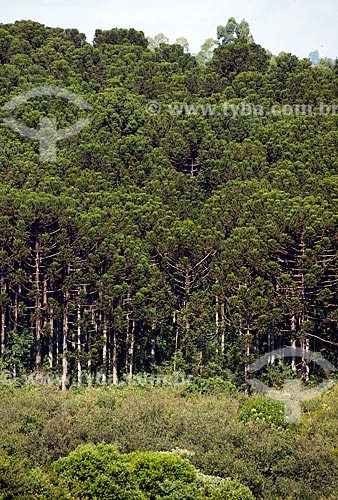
x=263, y=409
x=228, y=490
x=151, y=469
x=218, y=488
x=12, y=477
x=210, y=386
x=102, y=473
x=96, y=472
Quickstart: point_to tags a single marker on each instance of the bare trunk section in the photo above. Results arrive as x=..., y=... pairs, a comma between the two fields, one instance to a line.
x=3, y=318
x=305, y=367
x=114, y=359
x=293, y=341
x=247, y=363
x=38, y=356
x=185, y=310
x=223, y=330
x=200, y=361
x=304, y=340
x=104, y=352
x=78, y=339
x=64, y=343
x=51, y=337
x=89, y=362
x=153, y=344
x=49, y=312
x=217, y=320
x=271, y=348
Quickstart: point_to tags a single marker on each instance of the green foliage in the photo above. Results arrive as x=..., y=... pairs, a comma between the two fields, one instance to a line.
x=179, y=233
x=150, y=469
x=96, y=472
x=228, y=490
x=210, y=386
x=103, y=473
x=41, y=425
x=12, y=477
x=156, y=241
x=263, y=409
x=231, y=60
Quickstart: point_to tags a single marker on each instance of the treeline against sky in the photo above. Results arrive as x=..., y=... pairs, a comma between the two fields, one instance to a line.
x=158, y=241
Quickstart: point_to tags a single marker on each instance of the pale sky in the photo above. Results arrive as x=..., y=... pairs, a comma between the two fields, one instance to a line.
x=297, y=26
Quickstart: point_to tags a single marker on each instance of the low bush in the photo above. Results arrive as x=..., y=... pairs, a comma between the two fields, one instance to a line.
x=263, y=409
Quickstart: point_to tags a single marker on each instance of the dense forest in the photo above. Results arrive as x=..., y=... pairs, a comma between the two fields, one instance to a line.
x=177, y=233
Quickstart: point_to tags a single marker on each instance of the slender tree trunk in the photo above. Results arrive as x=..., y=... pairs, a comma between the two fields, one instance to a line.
x=104, y=351
x=3, y=319
x=217, y=320
x=58, y=327
x=64, y=343
x=38, y=356
x=186, y=312
x=271, y=347
x=247, y=364
x=223, y=330
x=304, y=340
x=48, y=312
x=16, y=309
x=293, y=341
x=79, y=367
x=89, y=362
x=200, y=361
x=305, y=366
x=153, y=345
x=114, y=360
x=51, y=336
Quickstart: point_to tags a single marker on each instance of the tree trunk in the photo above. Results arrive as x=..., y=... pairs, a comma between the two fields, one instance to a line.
x=38, y=357
x=89, y=362
x=79, y=367
x=64, y=343
x=51, y=337
x=271, y=347
x=305, y=366
x=104, y=352
x=3, y=318
x=153, y=345
x=216, y=320
x=247, y=364
x=293, y=341
x=223, y=330
x=114, y=360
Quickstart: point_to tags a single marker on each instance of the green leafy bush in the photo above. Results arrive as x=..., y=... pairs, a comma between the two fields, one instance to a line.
x=210, y=386
x=102, y=473
x=228, y=490
x=12, y=477
x=218, y=488
x=263, y=409
x=97, y=472
x=150, y=470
